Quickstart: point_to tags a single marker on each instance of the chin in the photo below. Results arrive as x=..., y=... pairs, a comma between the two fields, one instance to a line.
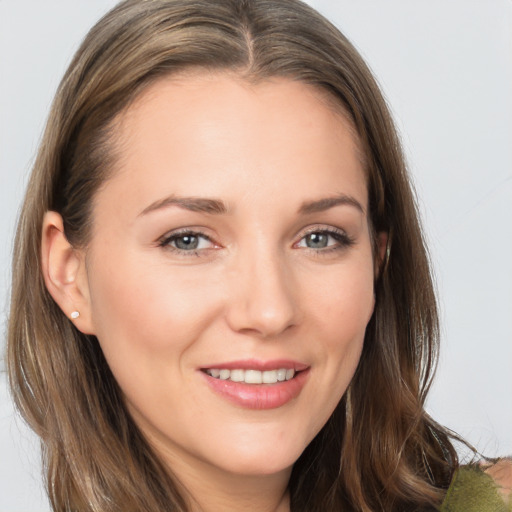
x=257, y=458
x=260, y=465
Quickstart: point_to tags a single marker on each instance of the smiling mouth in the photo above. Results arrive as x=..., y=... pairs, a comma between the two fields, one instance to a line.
x=252, y=376
x=257, y=385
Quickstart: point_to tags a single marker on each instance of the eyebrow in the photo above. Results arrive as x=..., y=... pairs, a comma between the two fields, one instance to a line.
x=193, y=204
x=321, y=205
x=218, y=207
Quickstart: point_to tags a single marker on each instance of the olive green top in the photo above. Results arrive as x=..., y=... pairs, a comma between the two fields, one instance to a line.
x=472, y=490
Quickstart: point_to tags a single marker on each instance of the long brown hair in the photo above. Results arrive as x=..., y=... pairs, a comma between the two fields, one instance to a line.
x=379, y=450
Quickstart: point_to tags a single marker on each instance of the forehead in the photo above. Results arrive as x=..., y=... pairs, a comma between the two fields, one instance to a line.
x=215, y=133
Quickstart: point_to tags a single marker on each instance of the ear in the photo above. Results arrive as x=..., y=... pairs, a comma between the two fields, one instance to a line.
x=65, y=273
x=382, y=253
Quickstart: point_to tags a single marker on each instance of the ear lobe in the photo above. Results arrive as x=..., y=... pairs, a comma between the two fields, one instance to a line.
x=64, y=273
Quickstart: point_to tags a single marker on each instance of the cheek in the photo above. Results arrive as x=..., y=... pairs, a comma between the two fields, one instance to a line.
x=342, y=312
x=344, y=304
x=142, y=312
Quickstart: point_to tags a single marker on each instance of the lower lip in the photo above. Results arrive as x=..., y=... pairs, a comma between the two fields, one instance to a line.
x=259, y=396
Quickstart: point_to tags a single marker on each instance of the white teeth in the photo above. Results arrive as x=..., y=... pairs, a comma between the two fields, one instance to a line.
x=269, y=377
x=253, y=376
x=237, y=375
x=281, y=374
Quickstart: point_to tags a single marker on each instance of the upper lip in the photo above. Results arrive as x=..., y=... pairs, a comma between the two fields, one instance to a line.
x=255, y=364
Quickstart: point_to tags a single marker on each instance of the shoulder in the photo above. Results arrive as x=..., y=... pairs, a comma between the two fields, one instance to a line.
x=480, y=488
x=501, y=473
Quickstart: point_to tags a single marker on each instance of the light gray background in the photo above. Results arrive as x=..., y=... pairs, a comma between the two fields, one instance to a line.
x=446, y=69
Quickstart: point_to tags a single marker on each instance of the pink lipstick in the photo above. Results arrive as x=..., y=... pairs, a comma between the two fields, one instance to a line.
x=257, y=384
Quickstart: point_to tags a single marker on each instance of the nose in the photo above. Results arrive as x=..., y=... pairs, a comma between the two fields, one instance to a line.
x=263, y=299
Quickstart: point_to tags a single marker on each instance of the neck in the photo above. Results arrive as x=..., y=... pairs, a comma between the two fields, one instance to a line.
x=210, y=489
x=239, y=494
x=208, y=486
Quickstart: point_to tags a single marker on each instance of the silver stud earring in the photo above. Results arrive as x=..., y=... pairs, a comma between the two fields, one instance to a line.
x=75, y=315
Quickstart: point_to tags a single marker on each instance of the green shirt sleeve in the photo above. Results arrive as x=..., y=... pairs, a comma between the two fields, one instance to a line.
x=472, y=490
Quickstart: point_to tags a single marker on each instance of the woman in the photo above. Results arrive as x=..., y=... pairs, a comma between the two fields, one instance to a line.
x=233, y=305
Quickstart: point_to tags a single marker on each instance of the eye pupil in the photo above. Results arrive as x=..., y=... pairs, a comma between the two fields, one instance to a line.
x=187, y=242
x=317, y=240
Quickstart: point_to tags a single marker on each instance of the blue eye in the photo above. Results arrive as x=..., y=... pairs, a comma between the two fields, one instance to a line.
x=325, y=239
x=187, y=241
x=317, y=240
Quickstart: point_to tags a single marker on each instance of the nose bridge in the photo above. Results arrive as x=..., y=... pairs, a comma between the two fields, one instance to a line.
x=263, y=298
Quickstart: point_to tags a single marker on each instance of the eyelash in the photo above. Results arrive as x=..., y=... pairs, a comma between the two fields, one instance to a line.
x=343, y=241
x=166, y=240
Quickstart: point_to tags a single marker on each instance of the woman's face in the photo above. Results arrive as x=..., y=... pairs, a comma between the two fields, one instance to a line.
x=231, y=250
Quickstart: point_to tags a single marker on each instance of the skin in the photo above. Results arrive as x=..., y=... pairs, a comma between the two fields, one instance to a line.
x=501, y=472
x=254, y=288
